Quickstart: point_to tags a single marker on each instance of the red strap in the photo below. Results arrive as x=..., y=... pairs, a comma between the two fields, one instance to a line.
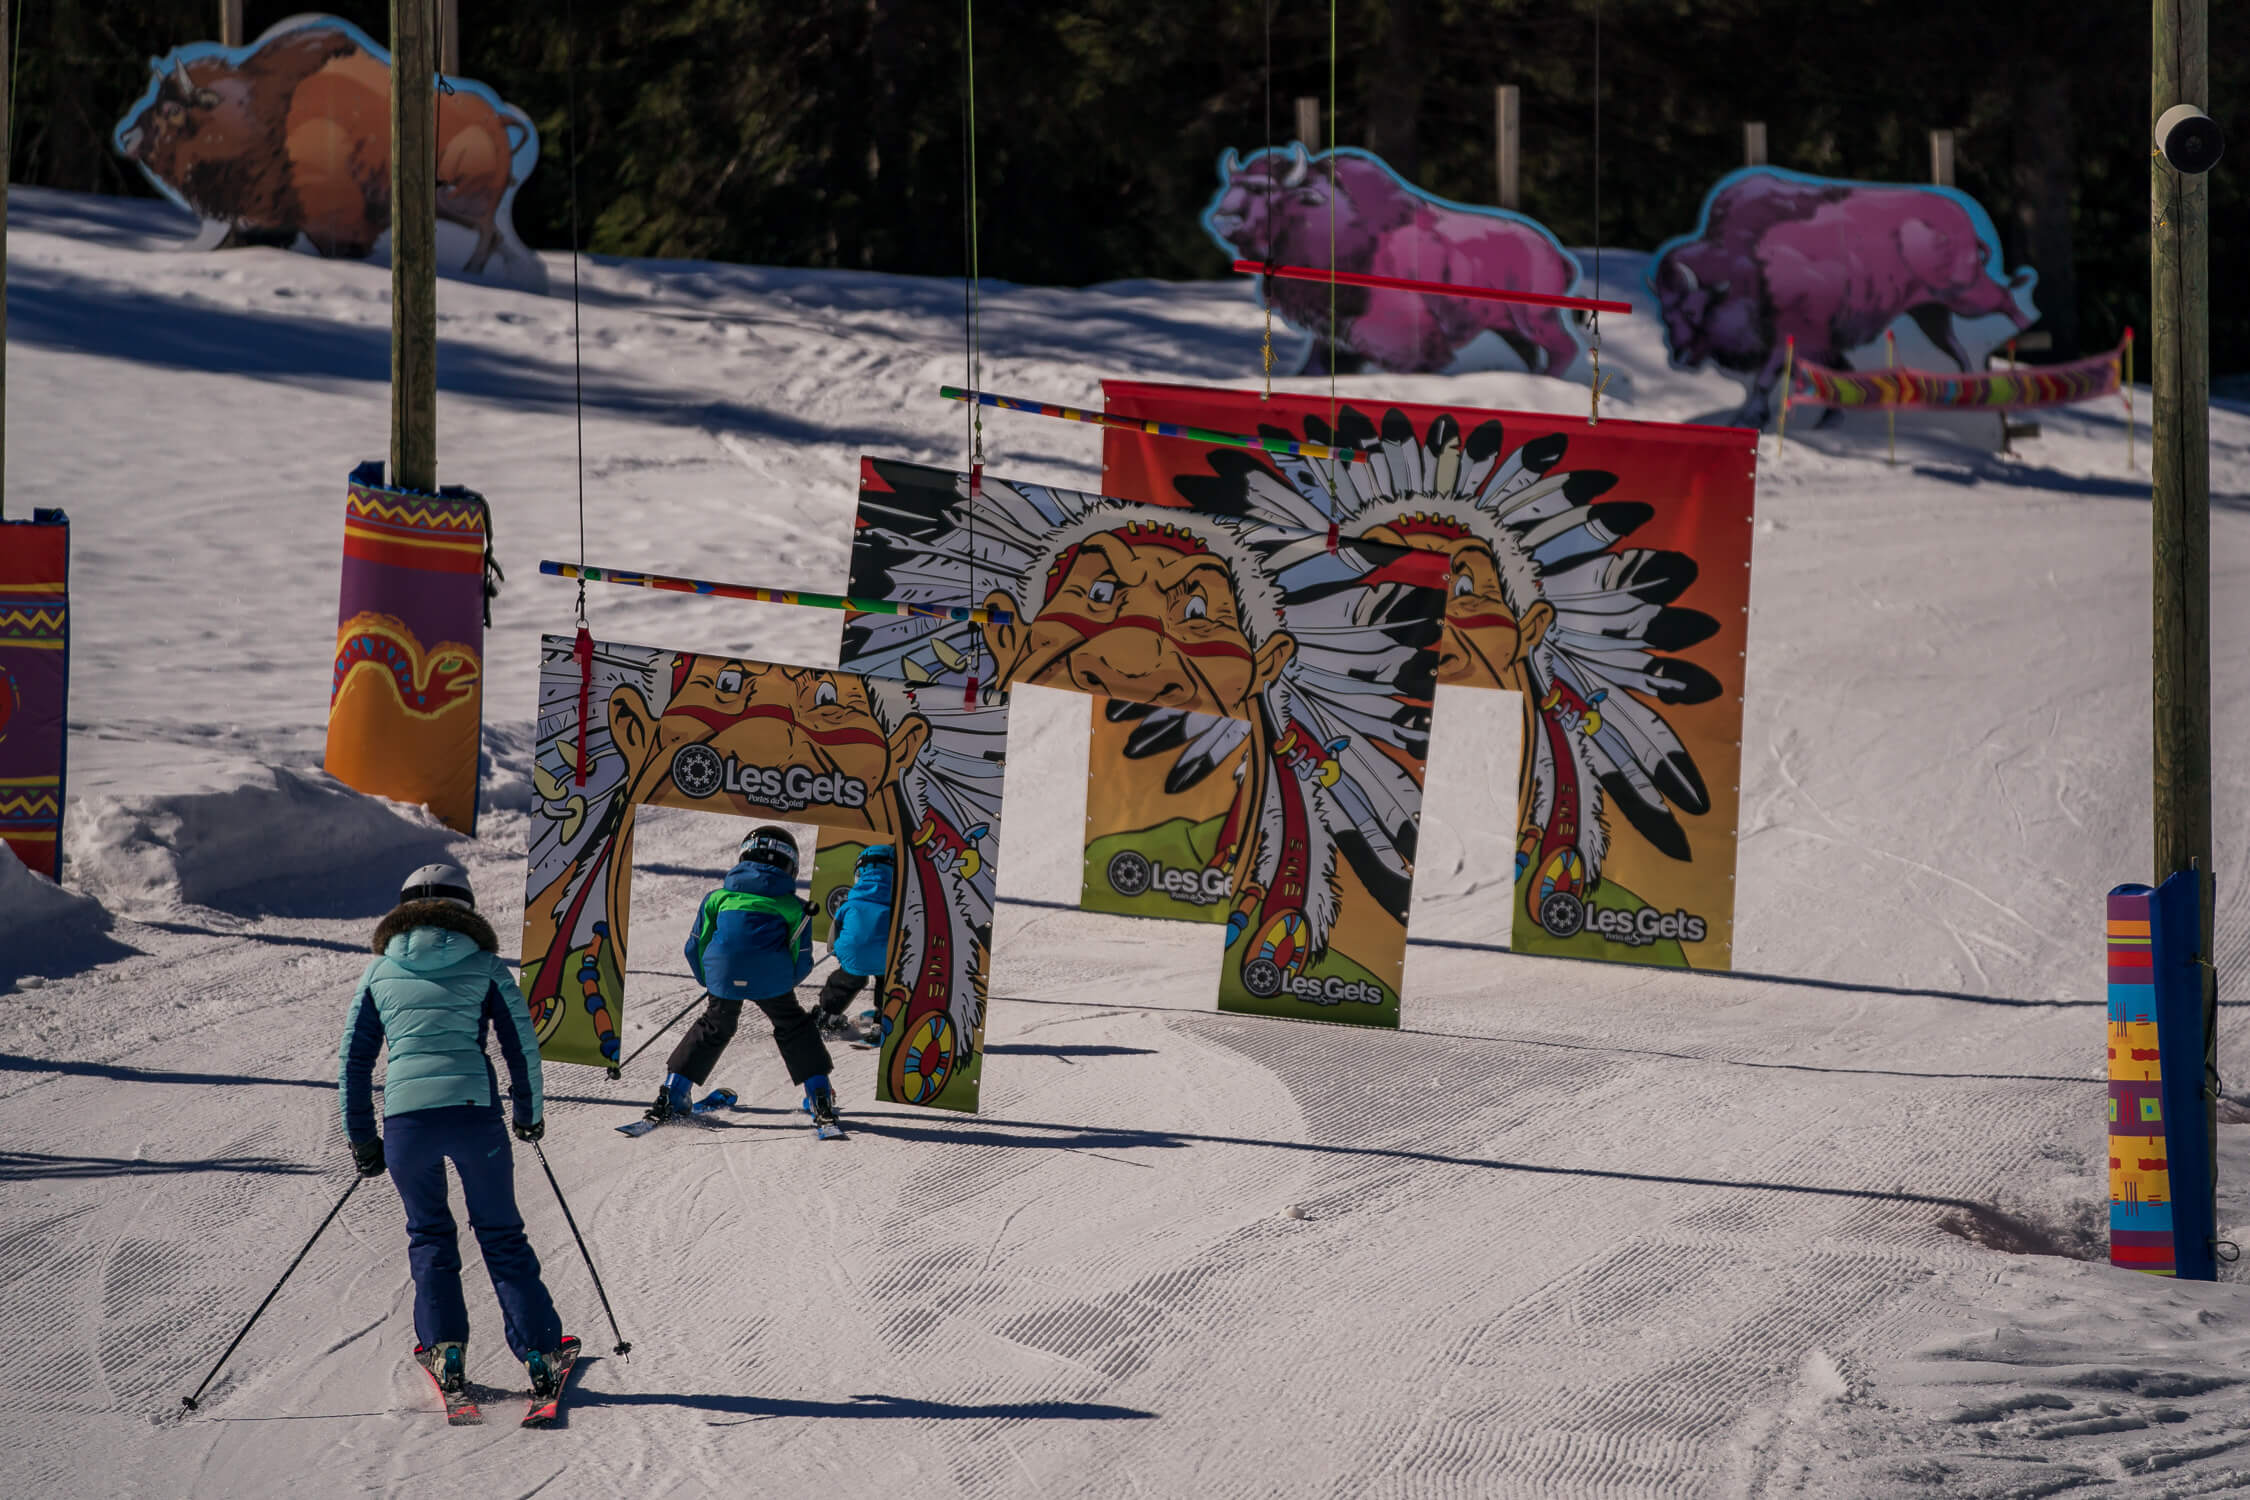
x=969, y=693
x=583, y=653
x=1333, y=538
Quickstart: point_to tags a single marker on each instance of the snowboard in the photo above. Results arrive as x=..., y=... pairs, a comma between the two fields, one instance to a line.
x=716, y=1099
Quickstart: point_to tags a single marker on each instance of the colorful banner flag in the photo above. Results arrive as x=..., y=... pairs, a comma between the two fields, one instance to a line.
x=406, y=700
x=34, y=686
x=875, y=759
x=1627, y=654
x=1313, y=658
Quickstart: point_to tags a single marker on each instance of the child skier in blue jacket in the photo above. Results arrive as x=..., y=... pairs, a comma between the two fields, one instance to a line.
x=752, y=941
x=862, y=935
x=434, y=993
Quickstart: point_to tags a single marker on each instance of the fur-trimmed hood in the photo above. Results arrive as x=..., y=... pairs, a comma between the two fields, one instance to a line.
x=434, y=913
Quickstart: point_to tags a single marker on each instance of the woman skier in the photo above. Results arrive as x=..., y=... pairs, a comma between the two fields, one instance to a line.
x=434, y=992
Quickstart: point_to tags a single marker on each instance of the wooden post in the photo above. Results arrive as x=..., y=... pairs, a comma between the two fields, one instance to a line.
x=1507, y=114
x=1941, y=157
x=1308, y=121
x=449, y=37
x=1753, y=143
x=230, y=23
x=2180, y=494
x=413, y=248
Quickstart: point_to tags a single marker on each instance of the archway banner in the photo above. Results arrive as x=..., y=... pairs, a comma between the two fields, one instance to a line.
x=1313, y=657
x=878, y=760
x=406, y=698
x=34, y=686
x=1600, y=571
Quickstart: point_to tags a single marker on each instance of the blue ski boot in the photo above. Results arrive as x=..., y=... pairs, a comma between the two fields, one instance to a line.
x=820, y=1103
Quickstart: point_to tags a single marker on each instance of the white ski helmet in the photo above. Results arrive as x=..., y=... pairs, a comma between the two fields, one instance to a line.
x=439, y=882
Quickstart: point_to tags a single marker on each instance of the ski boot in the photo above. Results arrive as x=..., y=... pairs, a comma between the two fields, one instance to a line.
x=546, y=1372
x=445, y=1363
x=671, y=1100
x=836, y=1026
x=820, y=1103
x=869, y=1024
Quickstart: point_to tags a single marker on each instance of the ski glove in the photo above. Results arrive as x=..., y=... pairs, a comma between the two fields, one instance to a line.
x=532, y=1131
x=369, y=1156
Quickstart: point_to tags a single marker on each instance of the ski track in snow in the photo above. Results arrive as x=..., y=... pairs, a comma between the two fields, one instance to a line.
x=1576, y=1230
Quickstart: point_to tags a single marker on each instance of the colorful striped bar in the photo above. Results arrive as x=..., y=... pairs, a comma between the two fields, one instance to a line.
x=2140, y=1178
x=977, y=614
x=1155, y=429
x=1429, y=288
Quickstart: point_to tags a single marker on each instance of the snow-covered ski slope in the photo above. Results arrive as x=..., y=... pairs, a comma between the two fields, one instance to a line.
x=1575, y=1230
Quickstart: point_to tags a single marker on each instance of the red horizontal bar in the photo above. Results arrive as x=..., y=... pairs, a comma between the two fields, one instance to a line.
x=1429, y=288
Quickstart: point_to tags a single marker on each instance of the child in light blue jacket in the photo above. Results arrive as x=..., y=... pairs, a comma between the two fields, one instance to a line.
x=862, y=934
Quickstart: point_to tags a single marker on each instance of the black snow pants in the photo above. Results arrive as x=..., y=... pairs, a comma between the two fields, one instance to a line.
x=795, y=1034
x=837, y=990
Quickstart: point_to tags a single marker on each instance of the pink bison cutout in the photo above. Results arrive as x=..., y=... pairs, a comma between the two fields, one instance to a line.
x=1831, y=263
x=1274, y=208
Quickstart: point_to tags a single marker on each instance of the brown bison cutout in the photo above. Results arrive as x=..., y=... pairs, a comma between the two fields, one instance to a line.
x=291, y=136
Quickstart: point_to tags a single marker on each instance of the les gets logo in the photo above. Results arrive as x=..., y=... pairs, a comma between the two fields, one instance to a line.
x=700, y=772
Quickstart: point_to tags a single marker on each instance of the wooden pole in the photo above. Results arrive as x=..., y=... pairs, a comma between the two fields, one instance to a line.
x=1507, y=113
x=1753, y=143
x=1308, y=121
x=2180, y=491
x=1941, y=157
x=449, y=37
x=413, y=247
x=230, y=23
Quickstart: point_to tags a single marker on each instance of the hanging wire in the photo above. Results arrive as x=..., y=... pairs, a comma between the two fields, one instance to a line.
x=577, y=359
x=1265, y=283
x=972, y=332
x=1335, y=438
x=1594, y=319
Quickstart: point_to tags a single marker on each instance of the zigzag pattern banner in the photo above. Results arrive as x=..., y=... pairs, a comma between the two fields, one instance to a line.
x=406, y=701
x=1996, y=390
x=34, y=685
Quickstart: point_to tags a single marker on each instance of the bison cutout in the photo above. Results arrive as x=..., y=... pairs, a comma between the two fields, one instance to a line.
x=1830, y=263
x=291, y=136
x=1275, y=208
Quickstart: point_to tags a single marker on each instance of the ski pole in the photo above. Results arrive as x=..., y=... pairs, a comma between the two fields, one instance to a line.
x=652, y=1036
x=189, y=1401
x=623, y=1348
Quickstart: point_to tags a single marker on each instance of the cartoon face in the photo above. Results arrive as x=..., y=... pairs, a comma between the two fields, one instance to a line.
x=775, y=737
x=1485, y=645
x=1145, y=613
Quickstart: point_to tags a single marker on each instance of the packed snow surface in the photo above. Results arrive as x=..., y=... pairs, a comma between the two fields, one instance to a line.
x=1816, y=1227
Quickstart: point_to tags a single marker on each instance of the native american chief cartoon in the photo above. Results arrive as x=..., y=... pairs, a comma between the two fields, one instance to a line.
x=755, y=739
x=1316, y=659
x=1541, y=599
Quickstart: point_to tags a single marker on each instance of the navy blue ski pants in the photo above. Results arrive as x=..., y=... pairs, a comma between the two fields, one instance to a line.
x=416, y=1145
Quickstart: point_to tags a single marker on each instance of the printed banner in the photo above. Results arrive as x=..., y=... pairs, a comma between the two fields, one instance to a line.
x=1275, y=208
x=406, y=700
x=1627, y=656
x=833, y=860
x=880, y=759
x=2140, y=1185
x=1830, y=263
x=1316, y=656
x=34, y=686
x=289, y=139
x=1157, y=798
x=1995, y=390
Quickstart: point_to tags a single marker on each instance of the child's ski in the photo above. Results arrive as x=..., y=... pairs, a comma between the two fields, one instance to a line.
x=826, y=1126
x=716, y=1099
x=543, y=1409
x=460, y=1411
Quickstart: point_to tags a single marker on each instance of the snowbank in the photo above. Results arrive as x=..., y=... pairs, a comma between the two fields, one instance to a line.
x=42, y=925
x=251, y=838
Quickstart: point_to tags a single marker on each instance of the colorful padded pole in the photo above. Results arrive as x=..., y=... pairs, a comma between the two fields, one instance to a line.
x=1154, y=429
x=974, y=614
x=1429, y=288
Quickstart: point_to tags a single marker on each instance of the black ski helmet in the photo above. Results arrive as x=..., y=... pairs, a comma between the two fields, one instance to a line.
x=771, y=845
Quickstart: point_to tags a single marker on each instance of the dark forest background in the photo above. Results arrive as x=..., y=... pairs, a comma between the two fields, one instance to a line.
x=830, y=132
